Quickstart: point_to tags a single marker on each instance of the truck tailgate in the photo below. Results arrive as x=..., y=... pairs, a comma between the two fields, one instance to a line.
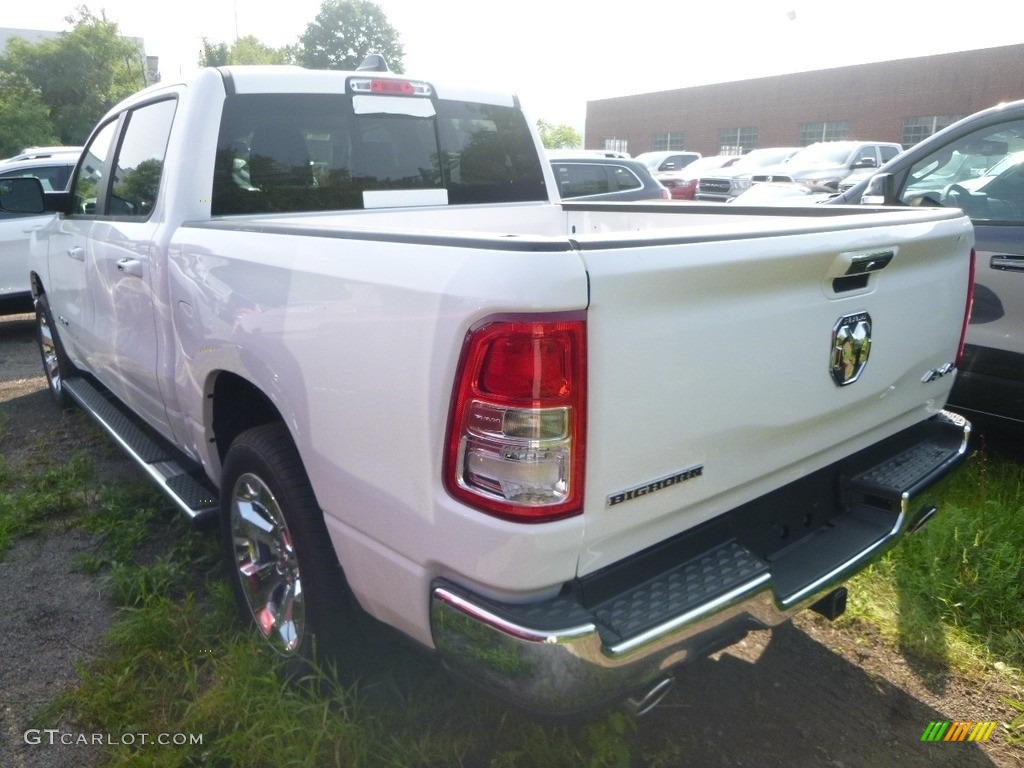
x=713, y=370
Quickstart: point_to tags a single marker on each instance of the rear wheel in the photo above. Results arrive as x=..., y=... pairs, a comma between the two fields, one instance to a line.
x=56, y=364
x=283, y=568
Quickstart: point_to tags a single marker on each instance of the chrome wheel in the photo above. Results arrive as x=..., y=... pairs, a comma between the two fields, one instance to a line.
x=56, y=365
x=267, y=565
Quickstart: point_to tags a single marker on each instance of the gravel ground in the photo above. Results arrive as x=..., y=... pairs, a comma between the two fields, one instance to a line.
x=808, y=694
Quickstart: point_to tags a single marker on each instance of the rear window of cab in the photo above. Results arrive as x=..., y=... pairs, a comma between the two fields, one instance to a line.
x=290, y=153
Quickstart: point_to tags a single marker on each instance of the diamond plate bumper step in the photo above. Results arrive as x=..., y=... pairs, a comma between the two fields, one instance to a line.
x=181, y=479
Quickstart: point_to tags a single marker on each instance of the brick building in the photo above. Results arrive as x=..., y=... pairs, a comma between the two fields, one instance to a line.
x=904, y=101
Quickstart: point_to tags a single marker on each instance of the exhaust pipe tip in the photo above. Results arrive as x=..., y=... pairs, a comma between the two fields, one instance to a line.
x=642, y=703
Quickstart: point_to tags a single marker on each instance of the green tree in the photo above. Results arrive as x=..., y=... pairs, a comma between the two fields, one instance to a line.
x=558, y=136
x=79, y=75
x=214, y=54
x=344, y=32
x=245, y=50
x=24, y=116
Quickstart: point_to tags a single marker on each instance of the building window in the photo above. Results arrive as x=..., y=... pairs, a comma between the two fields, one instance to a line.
x=662, y=142
x=916, y=129
x=736, y=141
x=834, y=131
x=616, y=145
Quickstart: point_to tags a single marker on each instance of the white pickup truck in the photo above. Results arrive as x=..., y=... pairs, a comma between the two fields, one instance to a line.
x=566, y=445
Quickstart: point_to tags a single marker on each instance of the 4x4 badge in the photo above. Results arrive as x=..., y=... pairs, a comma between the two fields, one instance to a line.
x=851, y=346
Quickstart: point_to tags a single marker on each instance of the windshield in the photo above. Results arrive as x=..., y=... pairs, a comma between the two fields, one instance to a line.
x=822, y=154
x=760, y=158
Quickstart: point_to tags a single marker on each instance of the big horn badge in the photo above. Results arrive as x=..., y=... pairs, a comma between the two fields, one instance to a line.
x=851, y=346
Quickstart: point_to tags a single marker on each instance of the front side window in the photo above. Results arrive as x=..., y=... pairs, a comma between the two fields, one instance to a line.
x=312, y=152
x=139, y=162
x=981, y=173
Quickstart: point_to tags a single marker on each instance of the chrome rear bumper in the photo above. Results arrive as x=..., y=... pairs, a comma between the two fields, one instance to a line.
x=589, y=648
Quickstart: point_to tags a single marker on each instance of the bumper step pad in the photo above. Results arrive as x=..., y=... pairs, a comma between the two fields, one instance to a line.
x=680, y=591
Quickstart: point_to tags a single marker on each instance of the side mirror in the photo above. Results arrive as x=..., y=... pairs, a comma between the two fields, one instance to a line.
x=880, y=190
x=866, y=162
x=23, y=194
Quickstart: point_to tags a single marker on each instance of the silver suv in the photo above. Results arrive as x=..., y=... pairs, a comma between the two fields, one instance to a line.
x=823, y=165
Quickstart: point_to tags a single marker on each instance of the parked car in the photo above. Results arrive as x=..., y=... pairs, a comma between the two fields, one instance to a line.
x=589, y=153
x=977, y=165
x=723, y=185
x=822, y=166
x=604, y=178
x=670, y=160
x=683, y=184
x=780, y=193
x=52, y=166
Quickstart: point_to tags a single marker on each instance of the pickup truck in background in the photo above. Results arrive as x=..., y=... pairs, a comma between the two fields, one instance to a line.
x=566, y=445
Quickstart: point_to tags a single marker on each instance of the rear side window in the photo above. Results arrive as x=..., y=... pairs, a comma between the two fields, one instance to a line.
x=290, y=153
x=624, y=179
x=54, y=178
x=580, y=179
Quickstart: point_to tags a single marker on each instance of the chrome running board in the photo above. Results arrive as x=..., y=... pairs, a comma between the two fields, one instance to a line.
x=181, y=480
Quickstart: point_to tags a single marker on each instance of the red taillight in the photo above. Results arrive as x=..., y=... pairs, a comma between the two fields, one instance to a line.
x=967, y=311
x=516, y=430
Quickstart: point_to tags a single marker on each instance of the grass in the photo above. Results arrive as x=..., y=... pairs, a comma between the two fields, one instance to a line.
x=177, y=660
x=953, y=593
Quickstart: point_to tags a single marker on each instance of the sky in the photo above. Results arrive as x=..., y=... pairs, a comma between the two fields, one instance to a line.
x=559, y=54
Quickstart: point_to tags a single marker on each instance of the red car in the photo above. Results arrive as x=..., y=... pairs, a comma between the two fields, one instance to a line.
x=682, y=184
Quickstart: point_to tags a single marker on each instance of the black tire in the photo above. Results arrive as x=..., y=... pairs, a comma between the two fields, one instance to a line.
x=274, y=541
x=56, y=364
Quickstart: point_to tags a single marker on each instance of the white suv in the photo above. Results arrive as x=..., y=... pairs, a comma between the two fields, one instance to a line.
x=53, y=167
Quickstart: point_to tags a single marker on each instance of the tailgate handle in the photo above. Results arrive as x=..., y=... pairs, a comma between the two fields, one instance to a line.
x=1009, y=263
x=870, y=262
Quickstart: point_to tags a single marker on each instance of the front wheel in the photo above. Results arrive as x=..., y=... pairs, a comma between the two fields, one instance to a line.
x=56, y=364
x=282, y=566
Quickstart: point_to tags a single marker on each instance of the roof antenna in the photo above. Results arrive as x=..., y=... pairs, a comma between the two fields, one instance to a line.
x=374, y=62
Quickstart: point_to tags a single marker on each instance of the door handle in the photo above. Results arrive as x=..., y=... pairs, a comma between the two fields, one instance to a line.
x=77, y=253
x=131, y=267
x=1008, y=263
